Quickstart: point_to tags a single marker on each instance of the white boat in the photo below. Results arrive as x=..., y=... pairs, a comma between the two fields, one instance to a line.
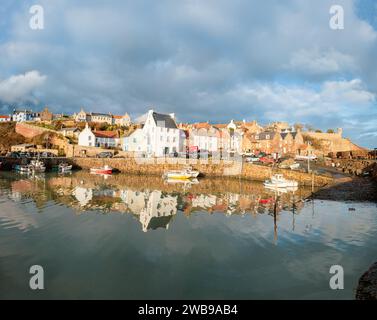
x=37, y=166
x=278, y=181
x=186, y=173
x=64, y=167
x=23, y=168
x=294, y=166
x=309, y=157
x=104, y=170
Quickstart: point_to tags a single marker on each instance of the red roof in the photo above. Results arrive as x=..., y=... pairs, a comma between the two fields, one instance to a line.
x=5, y=117
x=118, y=117
x=106, y=134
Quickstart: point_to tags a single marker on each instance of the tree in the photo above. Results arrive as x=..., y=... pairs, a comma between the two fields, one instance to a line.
x=318, y=131
x=330, y=131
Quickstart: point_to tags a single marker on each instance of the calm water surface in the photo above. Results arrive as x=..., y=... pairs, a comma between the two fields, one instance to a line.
x=143, y=238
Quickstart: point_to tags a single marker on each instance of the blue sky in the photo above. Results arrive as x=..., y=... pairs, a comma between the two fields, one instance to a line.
x=211, y=60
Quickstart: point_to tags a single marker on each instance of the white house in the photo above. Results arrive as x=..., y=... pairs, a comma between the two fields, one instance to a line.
x=5, y=118
x=87, y=137
x=204, y=137
x=158, y=136
x=103, y=139
x=235, y=138
x=24, y=115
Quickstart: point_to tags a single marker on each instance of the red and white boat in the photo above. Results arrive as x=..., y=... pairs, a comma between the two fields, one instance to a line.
x=104, y=170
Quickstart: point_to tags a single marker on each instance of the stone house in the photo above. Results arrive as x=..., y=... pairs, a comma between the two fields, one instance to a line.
x=70, y=132
x=123, y=121
x=46, y=115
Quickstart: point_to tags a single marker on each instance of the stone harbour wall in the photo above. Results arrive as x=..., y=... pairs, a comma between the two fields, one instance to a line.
x=221, y=168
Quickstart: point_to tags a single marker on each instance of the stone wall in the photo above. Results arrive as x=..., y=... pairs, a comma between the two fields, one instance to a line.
x=332, y=142
x=223, y=168
x=356, y=167
x=30, y=131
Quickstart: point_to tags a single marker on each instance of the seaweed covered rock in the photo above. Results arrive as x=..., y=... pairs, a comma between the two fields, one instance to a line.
x=367, y=288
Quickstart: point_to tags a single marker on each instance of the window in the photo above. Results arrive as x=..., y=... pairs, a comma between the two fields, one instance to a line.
x=167, y=139
x=90, y=138
x=160, y=138
x=173, y=139
x=134, y=140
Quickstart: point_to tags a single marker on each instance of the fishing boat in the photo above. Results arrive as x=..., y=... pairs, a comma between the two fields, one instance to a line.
x=186, y=173
x=64, y=167
x=104, y=170
x=278, y=181
x=37, y=166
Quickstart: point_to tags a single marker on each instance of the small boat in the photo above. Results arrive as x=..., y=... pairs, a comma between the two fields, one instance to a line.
x=104, y=170
x=37, y=166
x=294, y=166
x=278, y=181
x=186, y=173
x=23, y=168
x=64, y=167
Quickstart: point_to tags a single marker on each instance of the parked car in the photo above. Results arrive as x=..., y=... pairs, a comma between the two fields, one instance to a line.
x=251, y=159
x=266, y=160
x=105, y=154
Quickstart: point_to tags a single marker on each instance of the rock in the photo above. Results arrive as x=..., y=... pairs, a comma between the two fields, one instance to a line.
x=367, y=288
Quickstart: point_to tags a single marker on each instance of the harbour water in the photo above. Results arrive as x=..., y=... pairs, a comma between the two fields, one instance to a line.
x=138, y=237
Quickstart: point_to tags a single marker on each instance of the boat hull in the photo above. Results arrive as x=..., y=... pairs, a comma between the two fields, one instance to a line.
x=101, y=171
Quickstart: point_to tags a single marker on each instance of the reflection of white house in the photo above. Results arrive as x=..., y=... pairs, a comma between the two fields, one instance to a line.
x=83, y=195
x=159, y=211
x=204, y=201
x=158, y=136
x=154, y=208
x=135, y=200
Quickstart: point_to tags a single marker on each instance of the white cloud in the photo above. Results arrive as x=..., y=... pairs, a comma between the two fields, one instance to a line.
x=20, y=87
x=293, y=102
x=316, y=62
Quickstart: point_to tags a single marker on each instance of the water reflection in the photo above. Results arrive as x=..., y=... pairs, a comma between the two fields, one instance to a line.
x=153, y=201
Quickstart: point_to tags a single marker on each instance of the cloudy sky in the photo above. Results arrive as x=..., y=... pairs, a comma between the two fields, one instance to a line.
x=212, y=60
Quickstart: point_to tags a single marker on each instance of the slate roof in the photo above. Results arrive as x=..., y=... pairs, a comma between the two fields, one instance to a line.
x=101, y=114
x=263, y=135
x=164, y=120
